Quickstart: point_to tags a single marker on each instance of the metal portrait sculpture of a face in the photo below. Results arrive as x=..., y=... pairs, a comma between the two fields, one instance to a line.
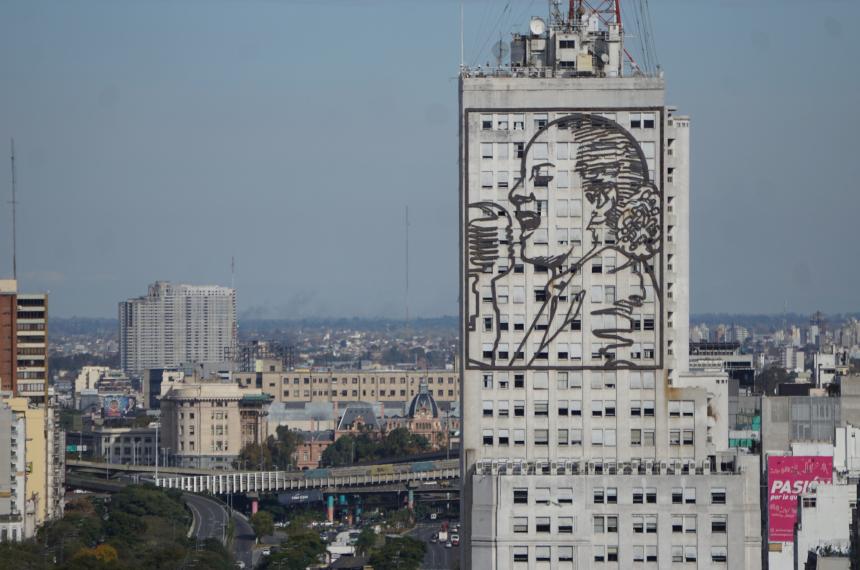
x=622, y=209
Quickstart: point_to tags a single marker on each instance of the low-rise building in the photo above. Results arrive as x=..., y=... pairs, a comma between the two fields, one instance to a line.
x=309, y=452
x=206, y=423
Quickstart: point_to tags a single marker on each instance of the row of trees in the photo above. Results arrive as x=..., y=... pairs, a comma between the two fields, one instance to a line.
x=141, y=527
x=366, y=447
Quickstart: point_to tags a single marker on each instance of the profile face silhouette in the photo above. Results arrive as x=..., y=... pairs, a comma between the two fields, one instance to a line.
x=614, y=180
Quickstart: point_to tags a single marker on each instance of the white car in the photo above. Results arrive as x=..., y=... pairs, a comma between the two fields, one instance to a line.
x=266, y=551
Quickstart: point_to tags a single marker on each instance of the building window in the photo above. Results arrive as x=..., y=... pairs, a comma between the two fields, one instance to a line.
x=689, y=554
x=521, y=496
x=651, y=553
x=719, y=524
x=521, y=524
x=542, y=524
x=486, y=150
x=718, y=496
x=651, y=495
x=541, y=437
x=719, y=554
x=521, y=553
x=488, y=408
x=488, y=437
x=519, y=408
x=565, y=553
x=565, y=496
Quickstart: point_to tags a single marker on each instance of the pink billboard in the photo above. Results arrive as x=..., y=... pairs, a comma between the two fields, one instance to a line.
x=787, y=478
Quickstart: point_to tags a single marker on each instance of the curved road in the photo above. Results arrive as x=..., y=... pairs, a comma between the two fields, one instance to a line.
x=211, y=521
x=210, y=518
x=243, y=540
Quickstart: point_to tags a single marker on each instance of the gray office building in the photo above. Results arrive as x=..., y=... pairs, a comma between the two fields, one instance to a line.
x=587, y=443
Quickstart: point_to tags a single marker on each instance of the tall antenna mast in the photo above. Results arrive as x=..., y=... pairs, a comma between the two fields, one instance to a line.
x=407, y=266
x=14, y=203
x=232, y=272
x=462, y=63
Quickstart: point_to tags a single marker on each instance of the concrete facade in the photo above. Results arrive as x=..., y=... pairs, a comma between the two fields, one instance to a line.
x=176, y=324
x=625, y=516
x=293, y=386
x=824, y=517
x=13, y=500
x=575, y=324
x=205, y=424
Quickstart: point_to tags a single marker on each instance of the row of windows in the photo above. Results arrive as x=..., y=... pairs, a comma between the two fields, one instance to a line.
x=609, y=496
x=573, y=436
x=517, y=121
x=450, y=380
x=599, y=408
x=354, y=393
x=516, y=323
x=648, y=553
x=598, y=294
x=570, y=380
x=568, y=351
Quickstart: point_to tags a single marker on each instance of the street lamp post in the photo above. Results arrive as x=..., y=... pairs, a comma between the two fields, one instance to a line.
x=156, y=425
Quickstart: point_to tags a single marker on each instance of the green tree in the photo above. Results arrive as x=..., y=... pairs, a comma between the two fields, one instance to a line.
x=263, y=523
x=366, y=540
x=340, y=453
x=254, y=457
x=302, y=548
x=404, y=553
x=283, y=447
x=771, y=377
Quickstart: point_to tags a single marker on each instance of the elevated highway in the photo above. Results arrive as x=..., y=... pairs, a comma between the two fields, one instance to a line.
x=442, y=474
x=372, y=476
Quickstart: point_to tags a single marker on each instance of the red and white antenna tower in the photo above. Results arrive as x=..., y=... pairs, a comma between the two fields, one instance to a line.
x=607, y=11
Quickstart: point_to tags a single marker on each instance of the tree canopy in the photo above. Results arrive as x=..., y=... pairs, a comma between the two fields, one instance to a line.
x=365, y=447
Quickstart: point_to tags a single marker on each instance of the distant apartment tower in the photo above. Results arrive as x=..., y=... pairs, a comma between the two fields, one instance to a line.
x=176, y=325
x=586, y=441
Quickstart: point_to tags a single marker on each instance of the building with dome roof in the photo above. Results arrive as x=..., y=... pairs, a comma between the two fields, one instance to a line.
x=423, y=418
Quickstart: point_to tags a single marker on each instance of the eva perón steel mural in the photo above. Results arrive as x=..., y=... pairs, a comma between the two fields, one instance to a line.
x=564, y=248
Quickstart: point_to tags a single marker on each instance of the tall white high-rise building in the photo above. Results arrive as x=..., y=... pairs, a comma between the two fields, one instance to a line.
x=175, y=325
x=586, y=441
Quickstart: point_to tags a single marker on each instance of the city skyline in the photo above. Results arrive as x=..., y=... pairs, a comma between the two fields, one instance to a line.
x=218, y=131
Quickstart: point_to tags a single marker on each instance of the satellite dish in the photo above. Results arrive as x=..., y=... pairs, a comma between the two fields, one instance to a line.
x=500, y=52
x=604, y=57
x=537, y=26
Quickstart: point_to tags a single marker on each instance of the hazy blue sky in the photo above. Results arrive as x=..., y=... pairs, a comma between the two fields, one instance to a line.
x=158, y=139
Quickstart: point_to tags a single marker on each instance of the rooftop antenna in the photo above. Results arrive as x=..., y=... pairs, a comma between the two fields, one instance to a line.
x=461, y=37
x=14, y=203
x=407, y=266
x=232, y=272
x=500, y=51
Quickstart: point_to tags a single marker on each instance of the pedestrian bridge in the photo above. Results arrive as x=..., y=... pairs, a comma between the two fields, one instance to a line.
x=336, y=478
